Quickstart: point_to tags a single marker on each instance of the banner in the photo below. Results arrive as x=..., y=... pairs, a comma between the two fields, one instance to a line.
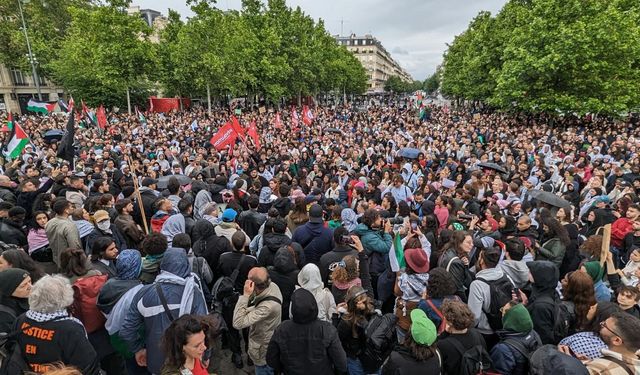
x=224, y=137
x=253, y=133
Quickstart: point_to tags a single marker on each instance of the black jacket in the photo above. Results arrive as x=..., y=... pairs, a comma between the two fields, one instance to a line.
x=402, y=362
x=149, y=199
x=26, y=199
x=250, y=222
x=12, y=233
x=284, y=273
x=209, y=245
x=7, y=195
x=543, y=299
x=283, y=205
x=111, y=292
x=305, y=345
x=58, y=340
x=271, y=243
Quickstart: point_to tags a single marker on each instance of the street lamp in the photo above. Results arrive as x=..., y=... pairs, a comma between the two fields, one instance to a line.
x=30, y=55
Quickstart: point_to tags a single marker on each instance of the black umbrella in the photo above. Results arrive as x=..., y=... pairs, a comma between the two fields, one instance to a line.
x=549, y=198
x=53, y=135
x=333, y=130
x=408, y=152
x=182, y=179
x=492, y=166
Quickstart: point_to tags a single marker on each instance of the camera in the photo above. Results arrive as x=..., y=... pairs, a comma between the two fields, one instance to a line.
x=396, y=220
x=465, y=217
x=347, y=240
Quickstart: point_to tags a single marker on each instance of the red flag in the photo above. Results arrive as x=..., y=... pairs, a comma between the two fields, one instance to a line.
x=237, y=127
x=102, y=118
x=278, y=124
x=295, y=120
x=253, y=133
x=307, y=115
x=225, y=136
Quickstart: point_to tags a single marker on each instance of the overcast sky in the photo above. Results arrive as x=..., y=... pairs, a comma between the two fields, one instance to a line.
x=414, y=32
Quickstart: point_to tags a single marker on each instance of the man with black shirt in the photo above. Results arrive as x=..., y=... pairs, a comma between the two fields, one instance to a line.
x=341, y=250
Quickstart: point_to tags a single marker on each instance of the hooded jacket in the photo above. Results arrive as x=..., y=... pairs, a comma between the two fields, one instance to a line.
x=271, y=243
x=146, y=309
x=12, y=233
x=543, y=299
x=304, y=344
x=480, y=297
x=309, y=278
x=283, y=205
x=517, y=270
x=377, y=245
x=552, y=250
x=315, y=239
x=517, y=330
x=284, y=273
x=209, y=245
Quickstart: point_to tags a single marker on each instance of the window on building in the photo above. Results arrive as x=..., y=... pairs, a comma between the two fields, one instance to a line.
x=18, y=77
x=348, y=42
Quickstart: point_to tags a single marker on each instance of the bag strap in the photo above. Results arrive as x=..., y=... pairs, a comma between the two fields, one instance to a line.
x=620, y=363
x=450, y=262
x=236, y=271
x=163, y=300
x=518, y=346
x=269, y=298
x=439, y=313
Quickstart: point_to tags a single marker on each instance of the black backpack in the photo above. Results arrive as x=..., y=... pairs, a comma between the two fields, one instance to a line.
x=475, y=361
x=381, y=339
x=563, y=315
x=223, y=292
x=501, y=292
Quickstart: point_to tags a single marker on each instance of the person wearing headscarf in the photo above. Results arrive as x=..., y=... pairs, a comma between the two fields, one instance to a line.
x=174, y=225
x=596, y=272
x=349, y=219
x=207, y=244
x=309, y=278
x=178, y=286
x=15, y=287
x=115, y=299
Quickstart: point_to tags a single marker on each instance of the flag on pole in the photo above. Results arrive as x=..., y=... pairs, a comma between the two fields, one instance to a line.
x=307, y=115
x=17, y=141
x=278, y=123
x=396, y=257
x=240, y=131
x=141, y=118
x=295, y=119
x=65, y=150
x=41, y=107
x=225, y=136
x=90, y=116
x=253, y=133
x=101, y=116
x=64, y=107
x=9, y=124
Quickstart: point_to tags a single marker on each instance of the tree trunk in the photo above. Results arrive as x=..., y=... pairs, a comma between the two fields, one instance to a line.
x=128, y=101
x=209, y=98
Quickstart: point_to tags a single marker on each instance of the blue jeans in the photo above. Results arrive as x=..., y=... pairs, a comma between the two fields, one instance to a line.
x=263, y=370
x=354, y=366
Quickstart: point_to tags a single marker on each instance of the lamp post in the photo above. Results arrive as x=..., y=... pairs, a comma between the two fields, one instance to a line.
x=30, y=55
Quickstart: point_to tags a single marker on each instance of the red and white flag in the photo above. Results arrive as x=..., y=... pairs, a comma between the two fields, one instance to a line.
x=225, y=136
x=240, y=131
x=295, y=119
x=307, y=115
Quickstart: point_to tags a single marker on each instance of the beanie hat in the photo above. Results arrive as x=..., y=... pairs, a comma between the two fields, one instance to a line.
x=594, y=270
x=517, y=319
x=423, y=330
x=10, y=279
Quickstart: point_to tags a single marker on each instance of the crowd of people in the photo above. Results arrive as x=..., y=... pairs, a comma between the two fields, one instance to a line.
x=367, y=242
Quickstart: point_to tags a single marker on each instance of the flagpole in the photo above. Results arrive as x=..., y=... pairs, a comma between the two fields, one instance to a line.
x=138, y=196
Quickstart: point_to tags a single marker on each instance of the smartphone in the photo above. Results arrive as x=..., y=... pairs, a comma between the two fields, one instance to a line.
x=414, y=226
x=347, y=240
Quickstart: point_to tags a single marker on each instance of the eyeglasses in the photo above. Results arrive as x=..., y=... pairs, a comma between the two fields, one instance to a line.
x=603, y=324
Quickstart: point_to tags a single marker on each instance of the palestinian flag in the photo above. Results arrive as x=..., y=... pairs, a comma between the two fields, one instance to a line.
x=18, y=139
x=90, y=116
x=396, y=257
x=41, y=107
x=141, y=117
x=9, y=124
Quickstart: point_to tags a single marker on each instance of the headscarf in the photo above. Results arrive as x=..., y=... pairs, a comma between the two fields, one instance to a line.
x=349, y=219
x=128, y=265
x=175, y=269
x=594, y=270
x=84, y=227
x=174, y=225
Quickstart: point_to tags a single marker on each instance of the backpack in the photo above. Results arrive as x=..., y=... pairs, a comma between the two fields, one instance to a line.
x=475, y=361
x=380, y=340
x=501, y=292
x=562, y=317
x=223, y=292
x=85, y=297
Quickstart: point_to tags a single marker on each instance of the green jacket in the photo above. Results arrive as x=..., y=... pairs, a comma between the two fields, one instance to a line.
x=553, y=251
x=376, y=244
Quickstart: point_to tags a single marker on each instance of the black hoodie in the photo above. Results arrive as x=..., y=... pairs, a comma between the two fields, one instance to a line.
x=284, y=273
x=544, y=298
x=306, y=345
x=209, y=245
x=271, y=243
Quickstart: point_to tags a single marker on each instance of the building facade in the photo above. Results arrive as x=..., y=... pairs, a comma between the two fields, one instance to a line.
x=375, y=59
x=17, y=87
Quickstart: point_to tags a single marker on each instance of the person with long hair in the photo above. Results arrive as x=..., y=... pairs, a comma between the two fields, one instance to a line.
x=103, y=256
x=184, y=344
x=555, y=240
x=352, y=323
x=454, y=258
x=587, y=344
x=298, y=215
x=578, y=292
x=37, y=238
x=19, y=259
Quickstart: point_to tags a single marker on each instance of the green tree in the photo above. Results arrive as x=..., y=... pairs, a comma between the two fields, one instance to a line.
x=432, y=83
x=395, y=84
x=105, y=55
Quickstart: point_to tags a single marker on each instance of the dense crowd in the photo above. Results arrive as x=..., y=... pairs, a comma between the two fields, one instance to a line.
x=371, y=241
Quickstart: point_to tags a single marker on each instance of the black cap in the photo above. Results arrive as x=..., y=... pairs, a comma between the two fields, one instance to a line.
x=147, y=181
x=315, y=214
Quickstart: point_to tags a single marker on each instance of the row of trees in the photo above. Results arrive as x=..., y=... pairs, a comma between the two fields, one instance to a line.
x=98, y=52
x=554, y=56
x=397, y=85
